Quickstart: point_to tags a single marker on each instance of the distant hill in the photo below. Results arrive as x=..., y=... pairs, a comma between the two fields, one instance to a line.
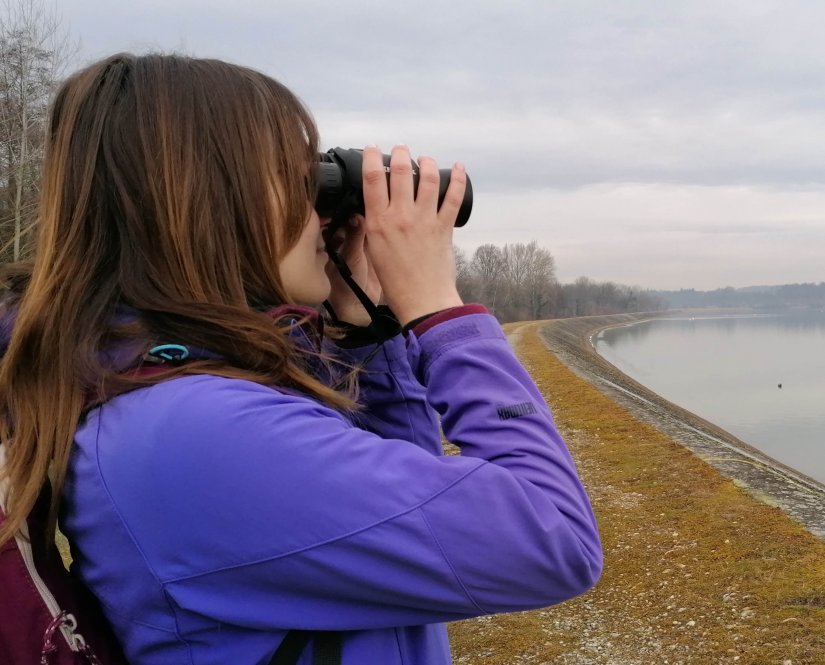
x=784, y=296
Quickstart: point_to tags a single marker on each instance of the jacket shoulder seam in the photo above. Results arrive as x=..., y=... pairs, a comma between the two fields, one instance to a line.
x=176, y=632
x=450, y=564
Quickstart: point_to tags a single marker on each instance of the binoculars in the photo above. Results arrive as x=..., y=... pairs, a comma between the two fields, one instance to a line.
x=340, y=193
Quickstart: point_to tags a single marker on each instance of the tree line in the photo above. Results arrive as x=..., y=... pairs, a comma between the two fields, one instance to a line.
x=517, y=282
x=809, y=295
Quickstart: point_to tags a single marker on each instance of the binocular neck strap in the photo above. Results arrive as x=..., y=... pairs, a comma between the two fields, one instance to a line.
x=364, y=299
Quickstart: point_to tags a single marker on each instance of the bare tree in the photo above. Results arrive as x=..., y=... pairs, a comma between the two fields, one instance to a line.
x=34, y=50
x=530, y=273
x=488, y=265
x=516, y=260
x=540, y=280
x=581, y=296
x=466, y=281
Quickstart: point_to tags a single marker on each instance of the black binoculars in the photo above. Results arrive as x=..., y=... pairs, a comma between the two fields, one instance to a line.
x=340, y=192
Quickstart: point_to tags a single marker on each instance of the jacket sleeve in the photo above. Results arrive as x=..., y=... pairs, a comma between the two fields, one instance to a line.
x=273, y=511
x=394, y=403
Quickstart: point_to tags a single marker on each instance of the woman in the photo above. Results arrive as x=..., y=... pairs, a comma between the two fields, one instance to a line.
x=234, y=490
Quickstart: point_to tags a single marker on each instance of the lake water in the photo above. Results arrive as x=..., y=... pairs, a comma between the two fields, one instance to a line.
x=728, y=371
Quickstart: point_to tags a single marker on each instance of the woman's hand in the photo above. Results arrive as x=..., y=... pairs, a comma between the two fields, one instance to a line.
x=344, y=303
x=409, y=241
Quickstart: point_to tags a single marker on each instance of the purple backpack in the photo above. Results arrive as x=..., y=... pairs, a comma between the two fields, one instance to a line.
x=46, y=616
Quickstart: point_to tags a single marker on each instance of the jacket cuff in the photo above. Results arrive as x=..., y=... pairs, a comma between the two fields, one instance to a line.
x=423, y=323
x=438, y=340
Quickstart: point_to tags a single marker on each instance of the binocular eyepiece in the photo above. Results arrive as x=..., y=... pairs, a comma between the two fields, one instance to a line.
x=340, y=191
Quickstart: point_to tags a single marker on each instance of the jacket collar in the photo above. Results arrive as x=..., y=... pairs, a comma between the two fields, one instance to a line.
x=306, y=329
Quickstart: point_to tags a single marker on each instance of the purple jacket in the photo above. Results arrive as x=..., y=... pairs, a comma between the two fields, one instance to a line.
x=211, y=515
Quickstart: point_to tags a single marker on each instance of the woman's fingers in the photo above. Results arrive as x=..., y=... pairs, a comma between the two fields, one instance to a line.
x=401, y=178
x=352, y=249
x=409, y=242
x=401, y=193
x=428, y=181
x=454, y=195
x=353, y=244
x=376, y=196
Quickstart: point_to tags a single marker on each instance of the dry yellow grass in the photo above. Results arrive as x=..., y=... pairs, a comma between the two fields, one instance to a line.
x=697, y=572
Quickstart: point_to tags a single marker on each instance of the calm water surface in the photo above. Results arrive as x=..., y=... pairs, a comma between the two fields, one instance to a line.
x=728, y=370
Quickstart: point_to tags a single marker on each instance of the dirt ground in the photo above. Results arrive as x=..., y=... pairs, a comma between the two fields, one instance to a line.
x=702, y=565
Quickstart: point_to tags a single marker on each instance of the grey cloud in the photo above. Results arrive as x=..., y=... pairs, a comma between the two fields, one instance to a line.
x=697, y=93
x=563, y=96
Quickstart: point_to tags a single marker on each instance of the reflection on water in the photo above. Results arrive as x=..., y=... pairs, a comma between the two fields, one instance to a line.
x=729, y=371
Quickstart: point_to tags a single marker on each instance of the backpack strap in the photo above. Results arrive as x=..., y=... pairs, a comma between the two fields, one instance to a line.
x=327, y=647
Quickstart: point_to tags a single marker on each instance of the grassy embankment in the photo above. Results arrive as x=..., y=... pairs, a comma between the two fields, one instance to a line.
x=697, y=572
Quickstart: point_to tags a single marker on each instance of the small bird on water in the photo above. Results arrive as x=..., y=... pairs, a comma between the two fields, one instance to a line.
x=780, y=385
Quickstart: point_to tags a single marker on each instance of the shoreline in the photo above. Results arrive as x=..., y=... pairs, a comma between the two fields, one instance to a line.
x=770, y=481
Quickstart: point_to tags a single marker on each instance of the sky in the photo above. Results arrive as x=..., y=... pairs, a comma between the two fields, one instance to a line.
x=656, y=144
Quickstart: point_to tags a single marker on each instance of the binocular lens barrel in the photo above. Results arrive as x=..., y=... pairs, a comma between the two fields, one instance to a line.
x=340, y=190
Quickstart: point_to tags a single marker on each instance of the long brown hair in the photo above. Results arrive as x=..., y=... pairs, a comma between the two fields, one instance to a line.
x=171, y=186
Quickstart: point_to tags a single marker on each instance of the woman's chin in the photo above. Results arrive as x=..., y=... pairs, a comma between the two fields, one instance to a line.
x=312, y=295
x=323, y=292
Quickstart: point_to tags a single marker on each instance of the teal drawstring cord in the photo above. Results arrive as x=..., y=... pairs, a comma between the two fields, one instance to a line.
x=169, y=352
